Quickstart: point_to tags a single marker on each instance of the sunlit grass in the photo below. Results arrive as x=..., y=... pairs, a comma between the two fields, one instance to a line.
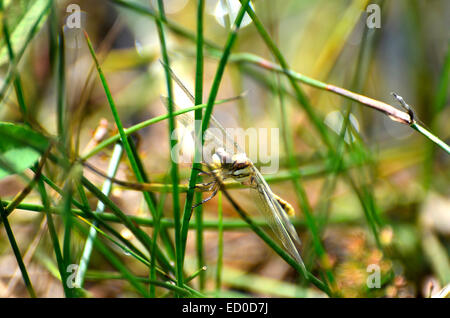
x=335, y=185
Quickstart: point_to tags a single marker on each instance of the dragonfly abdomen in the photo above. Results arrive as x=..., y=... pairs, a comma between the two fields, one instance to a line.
x=285, y=205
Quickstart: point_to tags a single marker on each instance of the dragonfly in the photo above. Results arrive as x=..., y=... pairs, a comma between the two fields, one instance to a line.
x=237, y=166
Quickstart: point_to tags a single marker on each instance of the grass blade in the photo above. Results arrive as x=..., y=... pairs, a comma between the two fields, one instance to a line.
x=54, y=237
x=174, y=165
x=107, y=186
x=15, y=248
x=123, y=136
x=198, y=99
x=219, y=263
x=40, y=13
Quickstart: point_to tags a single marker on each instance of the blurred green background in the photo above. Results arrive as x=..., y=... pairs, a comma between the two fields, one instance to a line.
x=387, y=203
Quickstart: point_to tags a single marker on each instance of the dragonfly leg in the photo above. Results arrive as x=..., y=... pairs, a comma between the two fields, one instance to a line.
x=208, y=198
x=205, y=187
x=202, y=172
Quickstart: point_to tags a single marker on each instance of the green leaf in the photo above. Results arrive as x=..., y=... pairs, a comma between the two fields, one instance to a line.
x=20, y=148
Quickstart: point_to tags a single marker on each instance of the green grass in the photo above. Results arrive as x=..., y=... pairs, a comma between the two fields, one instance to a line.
x=337, y=187
x=15, y=248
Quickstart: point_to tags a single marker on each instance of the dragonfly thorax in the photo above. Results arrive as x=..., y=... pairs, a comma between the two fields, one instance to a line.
x=236, y=166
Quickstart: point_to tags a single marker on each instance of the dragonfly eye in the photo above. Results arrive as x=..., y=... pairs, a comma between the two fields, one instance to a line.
x=241, y=175
x=240, y=161
x=244, y=172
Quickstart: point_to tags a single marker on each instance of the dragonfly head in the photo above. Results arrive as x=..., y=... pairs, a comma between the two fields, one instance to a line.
x=237, y=166
x=241, y=168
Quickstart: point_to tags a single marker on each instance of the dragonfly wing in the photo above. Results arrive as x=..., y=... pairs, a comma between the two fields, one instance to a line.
x=277, y=219
x=187, y=120
x=214, y=122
